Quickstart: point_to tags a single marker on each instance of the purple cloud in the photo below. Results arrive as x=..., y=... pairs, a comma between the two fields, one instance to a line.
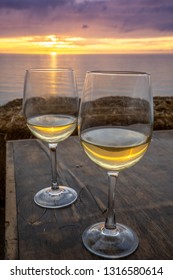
x=31, y=4
x=96, y=18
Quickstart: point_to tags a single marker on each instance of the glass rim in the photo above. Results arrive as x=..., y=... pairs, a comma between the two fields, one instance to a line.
x=117, y=72
x=61, y=69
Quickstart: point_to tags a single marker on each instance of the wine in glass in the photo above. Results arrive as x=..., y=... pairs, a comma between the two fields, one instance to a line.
x=115, y=129
x=50, y=106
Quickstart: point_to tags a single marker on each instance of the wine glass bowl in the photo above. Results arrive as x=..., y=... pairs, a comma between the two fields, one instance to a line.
x=115, y=129
x=50, y=106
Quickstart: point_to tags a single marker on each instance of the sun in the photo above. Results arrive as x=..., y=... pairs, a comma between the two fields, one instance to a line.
x=53, y=53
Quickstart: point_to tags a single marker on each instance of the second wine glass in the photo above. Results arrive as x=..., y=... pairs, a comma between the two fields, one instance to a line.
x=115, y=128
x=50, y=106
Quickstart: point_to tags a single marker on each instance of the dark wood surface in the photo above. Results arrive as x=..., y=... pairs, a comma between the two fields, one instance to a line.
x=144, y=200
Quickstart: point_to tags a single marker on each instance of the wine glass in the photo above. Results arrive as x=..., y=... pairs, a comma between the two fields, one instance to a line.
x=50, y=106
x=115, y=129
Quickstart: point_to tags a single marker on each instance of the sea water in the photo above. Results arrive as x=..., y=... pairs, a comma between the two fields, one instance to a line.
x=13, y=67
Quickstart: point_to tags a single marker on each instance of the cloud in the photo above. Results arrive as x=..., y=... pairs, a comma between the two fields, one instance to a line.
x=86, y=18
x=31, y=4
x=85, y=26
x=149, y=14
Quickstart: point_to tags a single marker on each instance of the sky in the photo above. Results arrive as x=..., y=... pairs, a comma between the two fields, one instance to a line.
x=86, y=26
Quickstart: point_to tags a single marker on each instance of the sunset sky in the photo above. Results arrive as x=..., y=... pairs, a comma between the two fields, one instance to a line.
x=86, y=26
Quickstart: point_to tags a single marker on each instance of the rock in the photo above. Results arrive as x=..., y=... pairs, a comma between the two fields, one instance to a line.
x=12, y=121
x=163, y=113
x=13, y=124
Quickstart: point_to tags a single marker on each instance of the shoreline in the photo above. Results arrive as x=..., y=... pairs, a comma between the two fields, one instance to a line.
x=13, y=124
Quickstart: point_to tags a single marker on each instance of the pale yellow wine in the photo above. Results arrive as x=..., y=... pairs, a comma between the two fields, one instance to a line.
x=114, y=148
x=52, y=128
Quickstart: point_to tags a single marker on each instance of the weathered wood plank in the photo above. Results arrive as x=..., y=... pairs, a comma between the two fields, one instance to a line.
x=11, y=235
x=144, y=200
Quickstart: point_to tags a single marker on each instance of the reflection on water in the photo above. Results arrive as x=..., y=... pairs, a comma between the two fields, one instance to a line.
x=53, y=60
x=12, y=69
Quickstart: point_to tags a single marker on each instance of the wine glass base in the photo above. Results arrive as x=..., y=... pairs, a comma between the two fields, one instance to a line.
x=59, y=198
x=111, y=244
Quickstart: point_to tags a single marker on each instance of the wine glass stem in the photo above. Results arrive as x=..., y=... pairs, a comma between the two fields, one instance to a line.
x=53, y=148
x=110, y=222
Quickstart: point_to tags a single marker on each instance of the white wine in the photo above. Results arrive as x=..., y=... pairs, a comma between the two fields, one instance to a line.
x=52, y=128
x=114, y=148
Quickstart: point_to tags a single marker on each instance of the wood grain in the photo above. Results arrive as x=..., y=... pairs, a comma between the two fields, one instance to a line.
x=144, y=200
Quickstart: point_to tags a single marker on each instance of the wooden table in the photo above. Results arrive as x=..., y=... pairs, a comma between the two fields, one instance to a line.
x=144, y=200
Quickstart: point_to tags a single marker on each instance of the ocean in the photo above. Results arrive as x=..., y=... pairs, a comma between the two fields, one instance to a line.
x=13, y=66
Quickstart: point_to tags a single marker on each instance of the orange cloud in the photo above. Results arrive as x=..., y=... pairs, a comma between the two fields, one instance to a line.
x=77, y=45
